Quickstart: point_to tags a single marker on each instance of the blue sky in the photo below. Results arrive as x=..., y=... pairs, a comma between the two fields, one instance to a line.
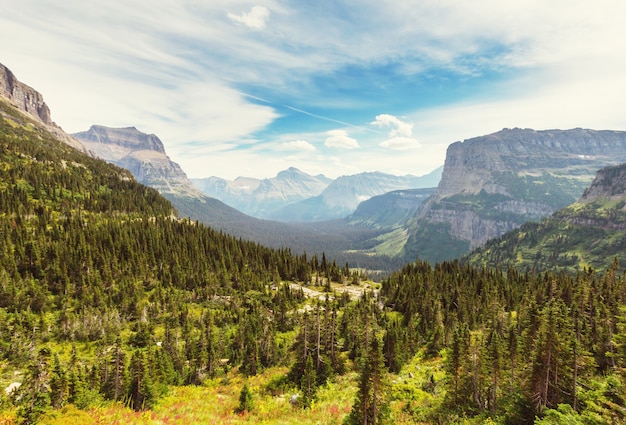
x=249, y=88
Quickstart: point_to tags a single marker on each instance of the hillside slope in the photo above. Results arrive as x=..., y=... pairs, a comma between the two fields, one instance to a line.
x=589, y=233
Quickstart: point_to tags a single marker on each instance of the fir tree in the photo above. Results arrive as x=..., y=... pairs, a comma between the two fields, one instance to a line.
x=371, y=405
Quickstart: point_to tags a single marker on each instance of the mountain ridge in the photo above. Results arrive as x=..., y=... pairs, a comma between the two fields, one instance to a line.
x=30, y=102
x=261, y=197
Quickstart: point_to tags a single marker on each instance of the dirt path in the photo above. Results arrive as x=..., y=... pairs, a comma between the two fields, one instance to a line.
x=355, y=292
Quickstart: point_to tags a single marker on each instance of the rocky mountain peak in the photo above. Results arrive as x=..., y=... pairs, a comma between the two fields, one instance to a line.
x=143, y=155
x=24, y=97
x=29, y=101
x=127, y=137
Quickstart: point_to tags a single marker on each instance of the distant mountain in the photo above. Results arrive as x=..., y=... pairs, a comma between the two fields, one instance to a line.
x=143, y=155
x=261, y=197
x=495, y=183
x=390, y=210
x=344, y=194
x=589, y=233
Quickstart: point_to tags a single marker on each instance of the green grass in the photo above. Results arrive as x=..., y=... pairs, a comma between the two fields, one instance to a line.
x=415, y=391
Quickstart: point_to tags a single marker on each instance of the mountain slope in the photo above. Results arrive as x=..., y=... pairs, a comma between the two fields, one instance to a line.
x=144, y=155
x=260, y=197
x=589, y=233
x=495, y=183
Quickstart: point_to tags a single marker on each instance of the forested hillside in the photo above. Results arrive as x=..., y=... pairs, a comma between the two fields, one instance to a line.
x=106, y=295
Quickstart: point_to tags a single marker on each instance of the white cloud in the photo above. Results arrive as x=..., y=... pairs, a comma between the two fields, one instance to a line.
x=400, y=133
x=398, y=127
x=340, y=139
x=255, y=19
x=297, y=145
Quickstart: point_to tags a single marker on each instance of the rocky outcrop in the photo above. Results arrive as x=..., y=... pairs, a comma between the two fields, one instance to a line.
x=610, y=184
x=494, y=183
x=29, y=101
x=143, y=155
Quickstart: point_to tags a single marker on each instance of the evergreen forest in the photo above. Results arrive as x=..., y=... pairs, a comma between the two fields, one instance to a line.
x=109, y=300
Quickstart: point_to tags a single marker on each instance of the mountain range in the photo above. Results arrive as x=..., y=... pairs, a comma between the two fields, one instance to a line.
x=144, y=155
x=294, y=196
x=489, y=185
x=261, y=197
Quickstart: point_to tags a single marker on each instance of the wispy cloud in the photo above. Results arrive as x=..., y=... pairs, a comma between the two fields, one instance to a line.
x=256, y=18
x=180, y=70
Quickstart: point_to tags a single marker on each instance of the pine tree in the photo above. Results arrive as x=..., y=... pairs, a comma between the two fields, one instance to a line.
x=246, y=403
x=35, y=393
x=308, y=383
x=114, y=377
x=371, y=404
x=141, y=394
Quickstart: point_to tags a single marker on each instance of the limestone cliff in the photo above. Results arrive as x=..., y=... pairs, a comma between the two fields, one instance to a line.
x=29, y=101
x=143, y=155
x=494, y=183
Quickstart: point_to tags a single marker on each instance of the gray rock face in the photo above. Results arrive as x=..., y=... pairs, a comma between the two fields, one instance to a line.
x=142, y=154
x=472, y=165
x=29, y=101
x=494, y=183
x=610, y=184
x=24, y=97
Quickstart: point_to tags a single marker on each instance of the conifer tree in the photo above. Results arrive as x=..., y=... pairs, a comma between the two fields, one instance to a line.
x=141, y=394
x=371, y=404
x=246, y=403
x=35, y=393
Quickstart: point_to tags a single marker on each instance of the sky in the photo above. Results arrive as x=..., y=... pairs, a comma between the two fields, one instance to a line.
x=250, y=88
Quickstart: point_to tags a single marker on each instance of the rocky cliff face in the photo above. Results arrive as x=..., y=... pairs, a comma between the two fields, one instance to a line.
x=494, y=183
x=589, y=233
x=142, y=154
x=474, y=165
x=29, y=101
x=610, y=184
